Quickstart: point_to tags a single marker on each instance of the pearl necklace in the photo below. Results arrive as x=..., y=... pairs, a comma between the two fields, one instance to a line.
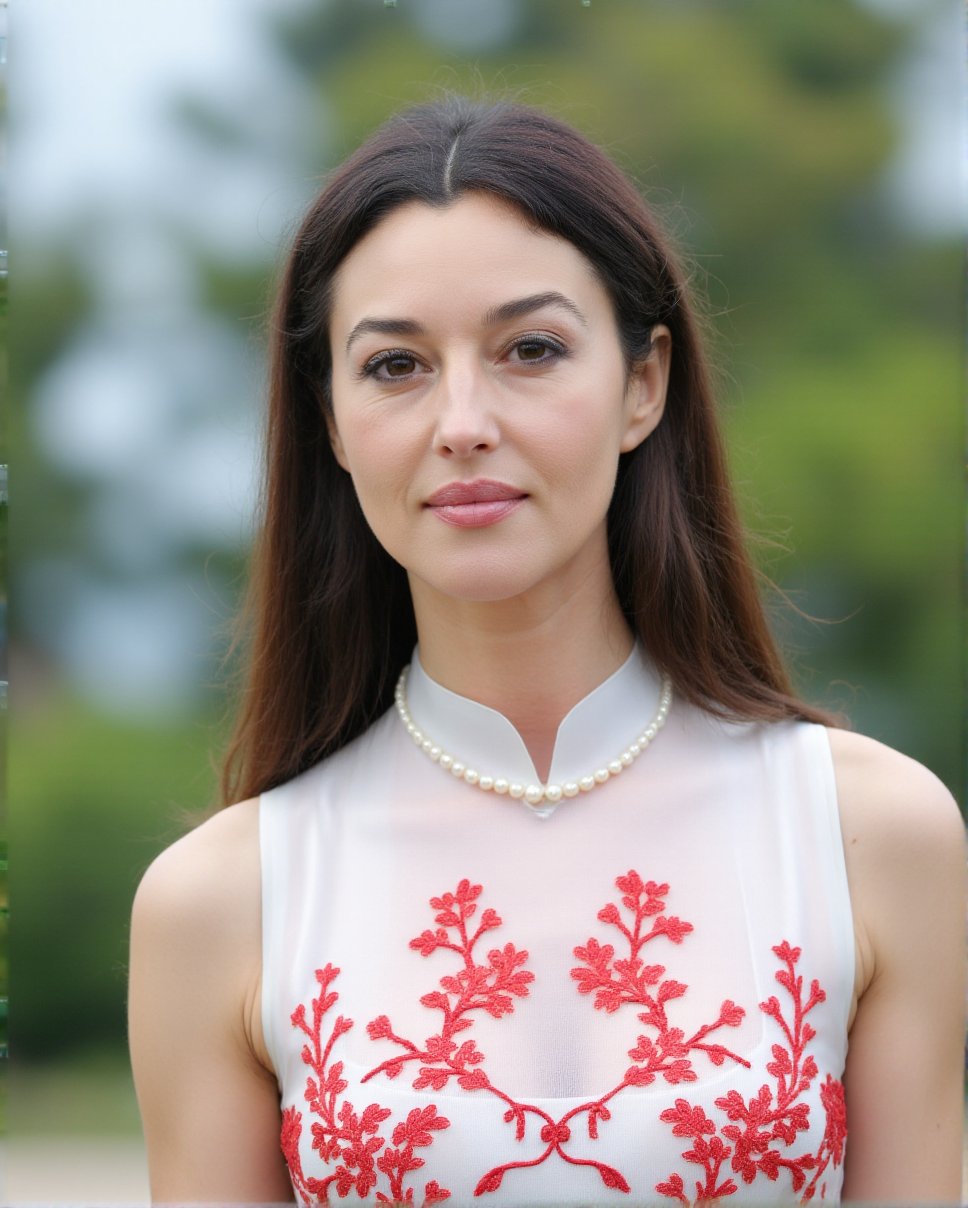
x=541, y=797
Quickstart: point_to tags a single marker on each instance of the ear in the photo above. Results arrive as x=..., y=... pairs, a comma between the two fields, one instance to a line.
x=335, y=443
x=645, y=394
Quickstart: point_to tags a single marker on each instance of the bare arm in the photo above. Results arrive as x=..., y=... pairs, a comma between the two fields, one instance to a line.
x=209, y=1104
x=904, y=843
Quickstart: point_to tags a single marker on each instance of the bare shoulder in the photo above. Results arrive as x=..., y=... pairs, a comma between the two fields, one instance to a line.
x=889, y=803
x=199, y=902
x=207, y=874
x=904, y=845
x=196, y=922
x=207, y=1093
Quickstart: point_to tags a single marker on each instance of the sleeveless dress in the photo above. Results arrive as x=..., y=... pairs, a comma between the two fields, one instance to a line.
x=641, y=998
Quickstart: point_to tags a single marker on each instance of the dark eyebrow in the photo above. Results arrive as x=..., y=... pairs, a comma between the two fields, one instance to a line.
x=384, y=327
x=498, y=314
x=524, y=306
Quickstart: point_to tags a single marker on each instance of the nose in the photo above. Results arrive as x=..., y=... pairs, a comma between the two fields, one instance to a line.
x=466, y=423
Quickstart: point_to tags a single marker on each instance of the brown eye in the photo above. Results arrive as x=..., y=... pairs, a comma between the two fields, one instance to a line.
x=399, y=366
x=394, y=364
x=536, y=350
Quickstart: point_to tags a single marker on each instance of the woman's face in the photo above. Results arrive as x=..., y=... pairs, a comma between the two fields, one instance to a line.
x=481, y=399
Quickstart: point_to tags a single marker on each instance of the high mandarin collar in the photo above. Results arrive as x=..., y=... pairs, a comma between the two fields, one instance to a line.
x=590, y=734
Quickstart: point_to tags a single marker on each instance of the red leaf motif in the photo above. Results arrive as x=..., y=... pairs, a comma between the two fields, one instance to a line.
x=772, y=1115
x=498, y=1005
x=781, y=1063
x=687, y=1121
x=475, y=1080
x=730, y=1014
x=631, y=884
x=418, y=1125
x=832, y=1098
x=732, y=1104
x=673, y=1188
x=490, y=1182
x=609, y=999
x=290, y=1133
x=334, y=1084
x=435, y=1000
x=595, y=954
x=612, y=1179
x=771, y=1007
x=373, y=1116
x=671, y=989
x=679, y=1071
x=644, y=1050
x=769, y=1163
x=437, y=1048
x=428, y=941
x=786, y=953
x=759, y=1129
x=379, y=1028
x=389, y=1161
x=434, y=1193
x=435, y=1079
x=673, y=928
x=365, y=1182
x=468, y=1054
x=672, y=1043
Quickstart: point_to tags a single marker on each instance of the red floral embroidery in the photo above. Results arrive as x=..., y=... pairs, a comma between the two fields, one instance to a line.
x=746, y=1143
x=773, y=1114
x=342, y=1133
x=615, y=982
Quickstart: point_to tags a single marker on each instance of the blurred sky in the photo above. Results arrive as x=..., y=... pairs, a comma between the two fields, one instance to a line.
x=154, y=405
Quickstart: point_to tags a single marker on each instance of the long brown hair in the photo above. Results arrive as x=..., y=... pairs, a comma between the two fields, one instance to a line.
x=329, y=618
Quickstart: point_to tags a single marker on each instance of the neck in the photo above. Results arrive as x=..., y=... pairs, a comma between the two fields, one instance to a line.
x=530, y=658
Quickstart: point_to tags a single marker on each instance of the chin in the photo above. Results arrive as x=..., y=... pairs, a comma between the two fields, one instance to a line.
x=480, y=589
x=481, y=582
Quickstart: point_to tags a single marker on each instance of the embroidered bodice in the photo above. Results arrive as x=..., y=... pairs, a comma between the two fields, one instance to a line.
x=640, y=999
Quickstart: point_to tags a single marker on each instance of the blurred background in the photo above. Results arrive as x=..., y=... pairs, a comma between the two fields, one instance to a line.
x=808, y=158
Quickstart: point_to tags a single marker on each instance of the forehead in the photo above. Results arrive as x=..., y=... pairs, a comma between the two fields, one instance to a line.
x=477, y=250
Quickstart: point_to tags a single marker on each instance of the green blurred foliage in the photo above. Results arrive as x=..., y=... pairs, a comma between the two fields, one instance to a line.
x=82, y=1095
x=95, y=800
x=761, y=131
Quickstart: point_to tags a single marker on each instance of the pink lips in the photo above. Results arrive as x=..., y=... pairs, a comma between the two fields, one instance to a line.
x=475, y=504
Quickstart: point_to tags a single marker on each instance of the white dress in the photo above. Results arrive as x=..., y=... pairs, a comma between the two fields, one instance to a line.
x=639, y=999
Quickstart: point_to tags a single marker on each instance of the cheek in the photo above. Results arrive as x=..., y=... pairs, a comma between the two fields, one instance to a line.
x=582, y=448
x=373, y=452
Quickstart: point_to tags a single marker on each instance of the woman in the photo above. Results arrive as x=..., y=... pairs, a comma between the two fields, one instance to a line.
x=599, y=912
